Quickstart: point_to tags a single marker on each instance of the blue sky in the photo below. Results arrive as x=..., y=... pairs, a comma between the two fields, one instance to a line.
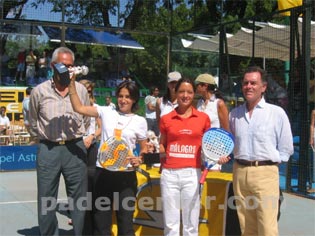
x=43, y=13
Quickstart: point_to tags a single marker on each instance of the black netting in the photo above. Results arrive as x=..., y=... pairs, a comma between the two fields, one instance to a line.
x=143, y=40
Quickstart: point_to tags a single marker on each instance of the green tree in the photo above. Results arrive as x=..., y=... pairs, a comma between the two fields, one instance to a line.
x=152, y=23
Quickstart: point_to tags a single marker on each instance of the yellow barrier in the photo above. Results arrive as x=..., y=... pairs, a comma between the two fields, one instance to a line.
x=12, y=98
x=148, y=218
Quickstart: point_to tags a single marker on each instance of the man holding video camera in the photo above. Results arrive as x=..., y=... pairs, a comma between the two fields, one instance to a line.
x=59, y=131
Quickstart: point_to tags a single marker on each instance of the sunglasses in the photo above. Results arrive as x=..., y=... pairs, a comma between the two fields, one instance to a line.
x=69, y=65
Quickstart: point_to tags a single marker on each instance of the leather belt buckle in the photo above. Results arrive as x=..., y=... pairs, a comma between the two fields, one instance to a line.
x=62, y=142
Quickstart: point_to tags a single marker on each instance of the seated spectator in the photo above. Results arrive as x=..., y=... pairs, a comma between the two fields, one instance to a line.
x=4, y=124
x=25, y=108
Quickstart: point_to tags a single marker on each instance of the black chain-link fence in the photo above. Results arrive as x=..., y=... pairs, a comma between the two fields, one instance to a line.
x=283, y=45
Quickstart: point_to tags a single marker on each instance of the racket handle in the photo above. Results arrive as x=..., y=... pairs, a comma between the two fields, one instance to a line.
x=204, y=176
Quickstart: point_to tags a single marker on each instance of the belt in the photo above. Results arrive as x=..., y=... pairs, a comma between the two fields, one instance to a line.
x=62, y=142
x=255, y=163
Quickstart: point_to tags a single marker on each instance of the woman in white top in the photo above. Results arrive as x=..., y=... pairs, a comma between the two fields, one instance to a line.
x=212, y=103
x=116, y=184
x=168, y=102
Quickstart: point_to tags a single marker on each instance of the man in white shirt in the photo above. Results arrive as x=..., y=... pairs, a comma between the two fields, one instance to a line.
x=263, y=139
x=4, y=124
x=30, y=65
x=108, y=102
x=26, y=109
x=150, y=110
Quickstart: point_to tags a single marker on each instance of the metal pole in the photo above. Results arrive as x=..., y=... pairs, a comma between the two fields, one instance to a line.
x=253, y=42
x=1, y=40
x=118, y=49
x=304, y=154
x=169, y=40
x=1, y=9
x=168, y=58
x=221, y=49
x=63, y=28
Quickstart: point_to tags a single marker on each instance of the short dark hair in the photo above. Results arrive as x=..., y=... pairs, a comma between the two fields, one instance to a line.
x=28, y=90
x=262, y=72
x=152, y=89
x=185, y=80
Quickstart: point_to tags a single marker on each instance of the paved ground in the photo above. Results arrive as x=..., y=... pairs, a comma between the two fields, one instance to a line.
x=19, y=216
x=18, y=205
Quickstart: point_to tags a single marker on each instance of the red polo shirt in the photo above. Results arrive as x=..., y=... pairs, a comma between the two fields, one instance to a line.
x=184, y=137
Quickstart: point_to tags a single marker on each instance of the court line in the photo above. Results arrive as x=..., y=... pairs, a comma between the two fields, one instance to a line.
x=30, y=201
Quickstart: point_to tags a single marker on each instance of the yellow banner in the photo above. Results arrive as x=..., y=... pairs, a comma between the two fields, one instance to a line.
x=286, y=4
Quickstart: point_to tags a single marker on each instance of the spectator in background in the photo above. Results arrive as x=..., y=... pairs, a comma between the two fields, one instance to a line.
x=150, y=110
x=212, y=103
x=26, y=108
x=4, y=124
x=43, y=64
x=240, y=101
x=276, y=94
x=90, y=142
x=168, y=102
x=4, y=120
x=263, y=139
x=125, y=75
x=49, y=69
x=109, y=103
x=4, y=63
x=20, y=65
x=31, y=61
x=227, y=84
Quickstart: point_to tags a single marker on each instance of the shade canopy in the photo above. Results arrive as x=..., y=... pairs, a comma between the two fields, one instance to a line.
x=20, y=29
x=271, y=41
x=87, y=36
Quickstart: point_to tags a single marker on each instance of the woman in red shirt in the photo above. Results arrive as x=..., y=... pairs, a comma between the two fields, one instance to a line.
x=180, y=141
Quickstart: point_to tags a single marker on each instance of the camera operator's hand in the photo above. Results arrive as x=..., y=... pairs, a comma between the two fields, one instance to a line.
x=72, y=74
x=78, y=70
x=71, y=86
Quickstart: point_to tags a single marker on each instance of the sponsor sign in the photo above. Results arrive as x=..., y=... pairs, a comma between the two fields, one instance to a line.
x=17, y=157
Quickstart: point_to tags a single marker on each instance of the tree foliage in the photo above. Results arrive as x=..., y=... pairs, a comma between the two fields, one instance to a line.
x=155, y=23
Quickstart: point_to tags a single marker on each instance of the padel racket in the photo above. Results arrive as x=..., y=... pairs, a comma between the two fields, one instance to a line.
x=113, y=153
x=216, y=143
